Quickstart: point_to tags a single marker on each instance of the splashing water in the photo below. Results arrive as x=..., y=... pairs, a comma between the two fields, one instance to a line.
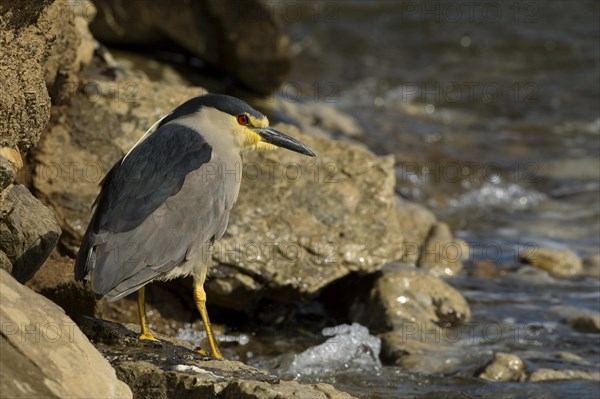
x=350, y=347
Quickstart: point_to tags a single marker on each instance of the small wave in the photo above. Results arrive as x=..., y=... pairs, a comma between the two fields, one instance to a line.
x=508, y=196
x=350, y=347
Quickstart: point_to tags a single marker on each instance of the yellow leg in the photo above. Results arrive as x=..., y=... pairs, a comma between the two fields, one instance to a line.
x=146, y=333
x=200, y=299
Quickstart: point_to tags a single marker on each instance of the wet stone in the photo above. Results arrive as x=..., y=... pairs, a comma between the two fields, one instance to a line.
x=591, y=266
x=404, y=294
x=582, y=320
x=504, y=367
x=550, y=374
x=558, y=262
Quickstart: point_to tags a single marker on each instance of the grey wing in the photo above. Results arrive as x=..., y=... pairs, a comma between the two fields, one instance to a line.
x=154, y=207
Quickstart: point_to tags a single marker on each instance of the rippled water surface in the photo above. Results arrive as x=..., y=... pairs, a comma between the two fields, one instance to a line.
x=492, y=112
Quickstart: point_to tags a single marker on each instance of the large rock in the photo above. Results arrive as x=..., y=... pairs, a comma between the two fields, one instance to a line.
x=404, y=295
x=28, y=232
x=558, y=262
x=45, y=354
x=39, y=49
x=171, y=369
x=38, y=43
x=302, y=223
x=238, y=37
x=416, y=313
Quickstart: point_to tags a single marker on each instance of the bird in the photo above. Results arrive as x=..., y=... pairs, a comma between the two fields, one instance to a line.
x=164, y=204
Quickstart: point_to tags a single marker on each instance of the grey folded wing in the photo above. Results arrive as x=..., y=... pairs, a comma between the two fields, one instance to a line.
x=155, y=206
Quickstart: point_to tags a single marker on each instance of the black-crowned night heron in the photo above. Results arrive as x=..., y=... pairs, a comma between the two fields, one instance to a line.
x=164, y=204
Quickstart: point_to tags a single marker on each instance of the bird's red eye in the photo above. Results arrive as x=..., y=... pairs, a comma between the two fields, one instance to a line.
x=243, y=119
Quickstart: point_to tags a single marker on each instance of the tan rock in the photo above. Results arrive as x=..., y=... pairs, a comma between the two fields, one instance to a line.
x=84, y=12
x=13, y=156
x=550, y=374
x=8, y=171
x=442, y=254
x=404, y=295
x=580, y=319
x=343, y=219
x=417, y=312
x=24, y=99
x=559, y=262
x=28, y=231
x=416, y=221
x=570, y=357
x=255, y=52
x=44, y=354
x=504, y=367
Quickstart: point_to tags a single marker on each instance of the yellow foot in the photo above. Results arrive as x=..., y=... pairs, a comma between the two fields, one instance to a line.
x=202, y=352
x=147, y=337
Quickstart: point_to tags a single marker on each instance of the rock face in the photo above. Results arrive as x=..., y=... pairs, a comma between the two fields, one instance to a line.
x=504, y=367
x=10, y=163
x=406, y=295
x=39, y=51
x=317, y=220
x=171, y=369
x=415, y=312
x=28, y=232
x=38, y=43
x=559, y=262
x=45, y=354
x=255, y=52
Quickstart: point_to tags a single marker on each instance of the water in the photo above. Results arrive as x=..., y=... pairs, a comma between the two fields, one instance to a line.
x=491, y=109
x=349, y=347
x=492, y=112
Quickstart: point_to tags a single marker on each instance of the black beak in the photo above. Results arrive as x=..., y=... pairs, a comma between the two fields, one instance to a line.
x=272, y=136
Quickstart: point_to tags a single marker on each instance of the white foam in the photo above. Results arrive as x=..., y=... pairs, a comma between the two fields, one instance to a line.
x=350, y=347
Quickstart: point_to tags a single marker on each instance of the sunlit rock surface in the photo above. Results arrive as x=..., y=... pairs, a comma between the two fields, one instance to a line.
x=45, y=354
x=172, y=369
x=558, y=262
